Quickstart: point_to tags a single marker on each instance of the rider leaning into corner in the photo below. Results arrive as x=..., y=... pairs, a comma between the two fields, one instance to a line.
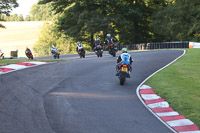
x=27, y=50
x=79, y=47
x=126, y=59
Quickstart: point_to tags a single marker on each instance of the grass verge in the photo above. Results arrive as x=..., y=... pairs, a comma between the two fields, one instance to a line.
x=179, y=85
x=13, y=61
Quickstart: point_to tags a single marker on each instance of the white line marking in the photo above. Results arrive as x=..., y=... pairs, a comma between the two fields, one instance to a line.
x=181, y=122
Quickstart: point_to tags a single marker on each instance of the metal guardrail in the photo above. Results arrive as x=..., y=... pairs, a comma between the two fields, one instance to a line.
x=157, y=45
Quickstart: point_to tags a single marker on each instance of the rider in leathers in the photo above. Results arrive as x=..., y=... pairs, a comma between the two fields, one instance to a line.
x=96, y=43
x=53, y=50
x=124, y=58
x=79, y=47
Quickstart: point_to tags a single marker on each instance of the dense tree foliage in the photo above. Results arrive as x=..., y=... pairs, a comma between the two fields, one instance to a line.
x=6, y=7
x=37, y=13
x=41, y=12
x=82, y=20
x=49, y=36
x=178, y=21
x=130, y=21
x=13, y=17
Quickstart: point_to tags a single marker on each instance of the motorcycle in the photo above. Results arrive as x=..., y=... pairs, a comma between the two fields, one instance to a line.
x=29, y=54
x=112, y=49
x=99, y=51
x=1, y=56
x=56, y=55
x=81, y=53
x=123, y=73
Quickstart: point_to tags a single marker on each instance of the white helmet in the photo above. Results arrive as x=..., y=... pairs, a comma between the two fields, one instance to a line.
x=108, y=35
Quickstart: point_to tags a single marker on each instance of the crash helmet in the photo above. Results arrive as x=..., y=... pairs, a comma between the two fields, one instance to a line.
x=108, y=35
x=124, y=50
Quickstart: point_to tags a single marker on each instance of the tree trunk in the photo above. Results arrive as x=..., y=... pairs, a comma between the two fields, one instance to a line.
x=92, y=40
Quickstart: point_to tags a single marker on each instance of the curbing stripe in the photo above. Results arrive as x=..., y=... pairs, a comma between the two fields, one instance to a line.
x=159, y=105
x=154, y=101
x=15, y=67
x=145, y=87
x=162, y=110
x=19, y=66
x=37, y=62
x=181, y=122
x=141, y=85
x=147, y=91
x=3, y=70
x=168, y=114
x=186, y=128
x=150, y=96
x=171, y=118
x=190, y=132
x=26, y=64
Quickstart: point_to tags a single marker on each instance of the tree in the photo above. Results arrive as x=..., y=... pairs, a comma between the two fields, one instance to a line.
x=41, y=12
x=51, y=36
x=6, y=6
x=178, y=21
x=84, y=19
x=27, y=18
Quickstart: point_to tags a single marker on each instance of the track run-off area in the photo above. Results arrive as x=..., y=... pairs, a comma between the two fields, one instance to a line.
x=80, y=96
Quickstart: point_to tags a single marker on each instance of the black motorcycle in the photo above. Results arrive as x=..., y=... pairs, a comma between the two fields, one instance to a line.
x=99, y=51
x=81, y=53
x=29, y=54
x=56, y=55
x=112, y=49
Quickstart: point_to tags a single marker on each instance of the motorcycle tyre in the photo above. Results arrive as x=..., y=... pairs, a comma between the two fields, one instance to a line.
x=122, y=78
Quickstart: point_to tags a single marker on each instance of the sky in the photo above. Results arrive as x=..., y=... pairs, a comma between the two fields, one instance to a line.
x=24, y=7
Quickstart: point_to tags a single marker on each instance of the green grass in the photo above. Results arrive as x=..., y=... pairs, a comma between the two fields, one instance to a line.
x=179, y=84
x=13, y=61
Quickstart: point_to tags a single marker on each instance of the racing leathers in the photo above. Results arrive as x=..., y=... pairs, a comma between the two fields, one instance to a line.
x=124, y=59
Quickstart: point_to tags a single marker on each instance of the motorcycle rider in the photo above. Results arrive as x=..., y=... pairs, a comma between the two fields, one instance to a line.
x=109, y=39
x=27, y=50
x=96, y=43
x=1, y=54
x=79, y=47
x=28, y=53
x=126, y=59
x=53, y=50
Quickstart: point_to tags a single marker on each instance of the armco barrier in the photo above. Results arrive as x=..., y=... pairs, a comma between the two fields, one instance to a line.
x=157, y=45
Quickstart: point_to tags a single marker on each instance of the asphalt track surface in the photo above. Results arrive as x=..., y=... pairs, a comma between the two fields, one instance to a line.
x=80, y=96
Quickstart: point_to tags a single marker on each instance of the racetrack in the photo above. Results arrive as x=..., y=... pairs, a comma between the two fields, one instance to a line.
x=80, y=96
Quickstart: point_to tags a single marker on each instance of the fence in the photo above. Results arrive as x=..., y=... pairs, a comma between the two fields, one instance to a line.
x=157, y=45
